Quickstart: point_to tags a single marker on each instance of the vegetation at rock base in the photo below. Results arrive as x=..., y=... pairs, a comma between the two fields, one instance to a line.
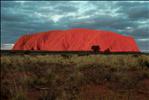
x=92, y=77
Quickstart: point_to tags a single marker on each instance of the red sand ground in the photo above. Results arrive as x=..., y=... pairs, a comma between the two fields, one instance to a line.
x=77, y=40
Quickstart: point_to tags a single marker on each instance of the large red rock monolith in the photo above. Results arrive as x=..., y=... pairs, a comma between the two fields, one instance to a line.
x=77, y=40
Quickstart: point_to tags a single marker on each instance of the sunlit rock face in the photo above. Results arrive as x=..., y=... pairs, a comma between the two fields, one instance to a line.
x=77, y=40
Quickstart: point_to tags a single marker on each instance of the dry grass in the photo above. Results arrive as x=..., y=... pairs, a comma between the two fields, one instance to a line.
x=94, y=77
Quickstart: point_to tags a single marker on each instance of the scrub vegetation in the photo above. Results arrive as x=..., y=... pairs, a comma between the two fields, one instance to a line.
x=72, y=77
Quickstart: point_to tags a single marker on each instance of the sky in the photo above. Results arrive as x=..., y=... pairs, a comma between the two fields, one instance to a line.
x=27, y=17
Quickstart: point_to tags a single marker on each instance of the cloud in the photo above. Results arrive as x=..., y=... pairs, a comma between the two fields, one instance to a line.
x=27, y=17
x=6, y=46
x=143, y=40
x=143, y=45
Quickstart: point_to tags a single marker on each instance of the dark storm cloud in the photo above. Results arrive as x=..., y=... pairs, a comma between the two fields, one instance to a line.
x=106, y=21
x=137, y=13
x=65, y=8
x=134, y=10
x=128, y=18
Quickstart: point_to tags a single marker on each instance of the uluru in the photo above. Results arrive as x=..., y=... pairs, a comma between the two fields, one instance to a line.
x=77, y=39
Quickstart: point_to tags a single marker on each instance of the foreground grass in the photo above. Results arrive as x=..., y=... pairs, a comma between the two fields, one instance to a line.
x=93, y=77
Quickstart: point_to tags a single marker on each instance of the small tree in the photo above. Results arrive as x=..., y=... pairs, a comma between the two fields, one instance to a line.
x=95, y=48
